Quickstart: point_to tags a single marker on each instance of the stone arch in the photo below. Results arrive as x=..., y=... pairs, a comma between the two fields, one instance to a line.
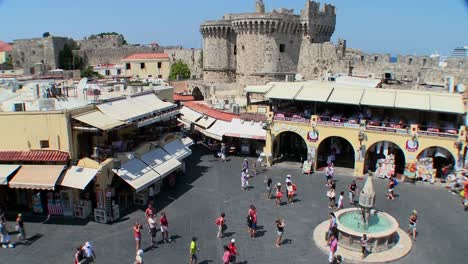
x=440, y=157
x=377, y=151
x=289, y=146
x=341, y=148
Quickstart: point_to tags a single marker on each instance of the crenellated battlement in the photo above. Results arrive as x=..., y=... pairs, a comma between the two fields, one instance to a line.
x=216, y=29
x=266, y=26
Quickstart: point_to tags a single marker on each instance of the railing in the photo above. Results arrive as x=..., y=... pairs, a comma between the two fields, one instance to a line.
x=293, y=118
x=438, y=132
x=338, y=122
x=402, y=131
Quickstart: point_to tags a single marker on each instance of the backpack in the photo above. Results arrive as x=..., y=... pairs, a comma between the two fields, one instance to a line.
x=249, y=219
x=218, y=221
x=81, y=255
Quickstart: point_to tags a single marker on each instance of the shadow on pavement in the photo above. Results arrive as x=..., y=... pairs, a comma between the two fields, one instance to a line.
x=29, y=241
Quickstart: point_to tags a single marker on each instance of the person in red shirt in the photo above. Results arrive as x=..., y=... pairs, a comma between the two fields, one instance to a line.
x=221, y=224
x=149, y=212
x=164, y=227
x=137, y=234
x=233, y=250
x=253, y=217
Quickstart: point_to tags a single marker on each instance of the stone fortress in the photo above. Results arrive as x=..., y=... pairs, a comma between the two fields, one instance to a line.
x=256, y=48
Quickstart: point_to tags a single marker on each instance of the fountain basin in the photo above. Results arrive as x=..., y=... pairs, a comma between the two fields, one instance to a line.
x=382, y=230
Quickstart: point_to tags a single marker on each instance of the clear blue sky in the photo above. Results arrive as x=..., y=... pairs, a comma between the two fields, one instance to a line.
x=386, y=26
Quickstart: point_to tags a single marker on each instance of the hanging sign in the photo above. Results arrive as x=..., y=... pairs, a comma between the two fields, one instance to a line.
x=313, y=136
x=412, y=145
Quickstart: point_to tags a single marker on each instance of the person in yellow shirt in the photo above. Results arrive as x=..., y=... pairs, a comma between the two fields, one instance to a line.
x=193, y=251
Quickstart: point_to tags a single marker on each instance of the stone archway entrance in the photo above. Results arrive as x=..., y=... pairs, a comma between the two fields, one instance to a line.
x=337, y=150
x=289, y=146
x=440, y=157
x=197, y=94
x=381, y=150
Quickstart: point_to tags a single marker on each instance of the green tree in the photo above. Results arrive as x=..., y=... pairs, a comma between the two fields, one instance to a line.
x=181, y=69
x=67, y=60
x=9, y=62
x=46, y=34
x=89, y=72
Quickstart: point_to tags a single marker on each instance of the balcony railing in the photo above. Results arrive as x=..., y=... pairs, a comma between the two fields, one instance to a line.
x=293, y=118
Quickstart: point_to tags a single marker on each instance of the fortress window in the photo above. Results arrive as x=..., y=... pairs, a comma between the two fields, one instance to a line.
x=282, y=48
x=410, y=61
x=127, y=66
x=160, y=76
x=44, y=143
x=107, y=72
x=142, y=65
x=424, y=62
x=235, y=49
x=159, y=65
x=376, y=58
x=243, y=48
x=362, y=58
x=119, y=71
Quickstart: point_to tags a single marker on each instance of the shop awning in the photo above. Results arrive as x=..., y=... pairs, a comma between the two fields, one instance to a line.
x=218, y=129
x=189, y=115
x=5, y=171
x=78, y=177
x=187, y=141
x=153, y=103
x=261, y=89
x=284, y=91
x=346, y=95
x=124, y=110
x=161, y=161
x=177, y=149
x=205, y=121
x=183, y=122
x=314, y=91
x=412, y=100
x=38, y=177
x=99, y=120
x=246, y=129
x=448, y=103
x=379, y=97
x=137, y=174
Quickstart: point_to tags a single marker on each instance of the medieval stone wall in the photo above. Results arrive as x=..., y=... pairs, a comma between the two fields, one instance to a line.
x=192, y=57
x=28, y=52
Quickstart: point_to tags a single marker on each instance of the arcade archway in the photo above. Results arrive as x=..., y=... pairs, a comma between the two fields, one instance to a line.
x=289, y=146
x=382, y=151
x=337, y=150
x=197, y=94
x=437, y=158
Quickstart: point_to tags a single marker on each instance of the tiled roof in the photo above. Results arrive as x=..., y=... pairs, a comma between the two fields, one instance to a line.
x=5, y=46
x=147, y=56
x=183, y=98
x=206, y=110
x=35, y=155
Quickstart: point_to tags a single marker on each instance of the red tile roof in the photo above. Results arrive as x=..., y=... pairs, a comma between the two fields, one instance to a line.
x=206, y=110
x=35, y=155
x=147, y=56
x=5, y=46
x=183, y=98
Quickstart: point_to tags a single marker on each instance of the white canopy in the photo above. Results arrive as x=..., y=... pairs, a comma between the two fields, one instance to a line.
x=246, y=129
x=137, y=174
x=5, y=171
x=177, y=149
x=78, y=177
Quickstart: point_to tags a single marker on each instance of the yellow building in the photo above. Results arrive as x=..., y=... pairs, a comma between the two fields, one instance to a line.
x=355, y=127
x=147, y=65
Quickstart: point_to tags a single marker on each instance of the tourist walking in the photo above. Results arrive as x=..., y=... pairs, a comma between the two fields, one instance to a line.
x=252, y=220
x=329, y=172
x=390, y=193
x=139, y=257
x=79, y=256
x=152, y=229
x=352, y=192
x=288, y=179
x=193, y=251
x=332, y=248
x=226, y=255
x=278, y=194
x=221, y=225
x=164, y=228
x=150, y=211
x=5, y=238
x=233, y=250
x=137, y=235
x=364, y=244
x=268, y=184
x=290, y=189
x=254, y=168
x=332, y=225
x=245, y=166
x=244, y=180
x=89, y=253
x=280, y=229
x=20, y=227
x=340, y=203
x=412, y=224
x=331, y=194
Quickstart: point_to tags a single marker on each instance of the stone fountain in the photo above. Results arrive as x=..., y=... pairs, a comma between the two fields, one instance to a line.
x=387, y=242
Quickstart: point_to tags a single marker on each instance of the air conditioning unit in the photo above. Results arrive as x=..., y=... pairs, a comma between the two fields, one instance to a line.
x=235, y=108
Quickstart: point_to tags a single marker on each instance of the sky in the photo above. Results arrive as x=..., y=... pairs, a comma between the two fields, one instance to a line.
x=417, y=27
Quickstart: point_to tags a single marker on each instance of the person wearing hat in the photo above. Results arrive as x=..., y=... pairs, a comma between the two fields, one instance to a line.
x=288, y=179
x=89, y=252
x=139, y=257
x=412, y=224
x=233, y=250
x=278, y=194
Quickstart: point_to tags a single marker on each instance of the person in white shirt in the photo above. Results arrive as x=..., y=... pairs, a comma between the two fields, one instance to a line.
x=288, y=179
x=152, y=229
x=89, y=252
x=329, y=172
x=340, y=203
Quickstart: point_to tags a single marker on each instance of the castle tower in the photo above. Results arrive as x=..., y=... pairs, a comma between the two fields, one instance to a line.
x=218, y=51
x=319, y=23
x=259, y=7
x=268, y=46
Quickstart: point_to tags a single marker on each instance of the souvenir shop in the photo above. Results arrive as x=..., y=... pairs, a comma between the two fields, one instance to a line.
x=385, y=159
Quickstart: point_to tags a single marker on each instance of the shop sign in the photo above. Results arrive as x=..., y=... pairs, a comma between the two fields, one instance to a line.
x=313, y=136
x=412, y=145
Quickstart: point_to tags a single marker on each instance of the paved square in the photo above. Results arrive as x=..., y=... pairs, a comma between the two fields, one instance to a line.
x=211, y=187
